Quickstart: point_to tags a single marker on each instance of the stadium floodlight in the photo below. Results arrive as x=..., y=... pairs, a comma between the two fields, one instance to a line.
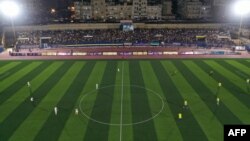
x=241, y=7
x=9, y=8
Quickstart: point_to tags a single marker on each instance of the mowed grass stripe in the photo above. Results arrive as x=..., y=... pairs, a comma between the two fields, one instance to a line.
x=239, y=67
x=140, y=106
x=10, y=69
x=54, y=97
x=6, y=67
x=35, y=113
x=197, y=77
x=245, y=62
x=165, y=124
x=9, y=73
x=103, y=106
x=22, y=94
x=197, y=104
x=66, y=106
x=15, y=80
x=2, y=63
x=76, y=126
x=175, y=101
x=226, y=98
x=242, y=70
x=225, y=77
x=236, y=71
x=197, y=107
x=33, y=70
x=114, y=131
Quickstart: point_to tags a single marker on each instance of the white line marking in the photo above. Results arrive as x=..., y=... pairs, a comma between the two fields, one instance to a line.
x=124, y=124
x=121, y=103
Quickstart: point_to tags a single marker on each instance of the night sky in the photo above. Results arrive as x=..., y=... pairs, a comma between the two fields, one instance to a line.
x=57, y=3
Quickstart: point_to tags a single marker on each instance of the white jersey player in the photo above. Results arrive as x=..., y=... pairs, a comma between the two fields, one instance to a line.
x=76, y=111
x=248, y=81
x=218, y=101
x=118, y=70
x=28, y=84
x=219, y=84
x=96, y=86
x=31, y=99
x=55, y=110
x=185, y=104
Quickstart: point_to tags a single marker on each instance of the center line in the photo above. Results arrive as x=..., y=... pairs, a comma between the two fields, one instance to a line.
x=121, y=104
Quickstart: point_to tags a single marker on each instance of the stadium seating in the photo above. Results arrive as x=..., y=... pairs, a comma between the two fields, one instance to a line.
x=144, y=37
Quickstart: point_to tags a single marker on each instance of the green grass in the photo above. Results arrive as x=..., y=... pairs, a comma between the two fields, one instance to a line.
x=140, y=105
x=140, y=86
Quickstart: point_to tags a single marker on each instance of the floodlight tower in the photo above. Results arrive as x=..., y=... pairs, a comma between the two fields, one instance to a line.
x=10, y=9
x=241, y=8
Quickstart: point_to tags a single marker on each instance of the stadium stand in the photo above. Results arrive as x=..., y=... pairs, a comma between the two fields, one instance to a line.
x=116, y=37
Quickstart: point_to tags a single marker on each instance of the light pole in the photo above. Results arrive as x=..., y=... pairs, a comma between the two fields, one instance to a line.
x=241, y=8
x=10, y=9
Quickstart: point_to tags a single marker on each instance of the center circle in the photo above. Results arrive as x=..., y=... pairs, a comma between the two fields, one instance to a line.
x=86, y=104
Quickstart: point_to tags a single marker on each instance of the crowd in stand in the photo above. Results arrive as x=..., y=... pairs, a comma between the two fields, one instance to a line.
x=143, y=36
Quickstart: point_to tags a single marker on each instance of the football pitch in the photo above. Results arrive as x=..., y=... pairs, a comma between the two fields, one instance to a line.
x=136, y=100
